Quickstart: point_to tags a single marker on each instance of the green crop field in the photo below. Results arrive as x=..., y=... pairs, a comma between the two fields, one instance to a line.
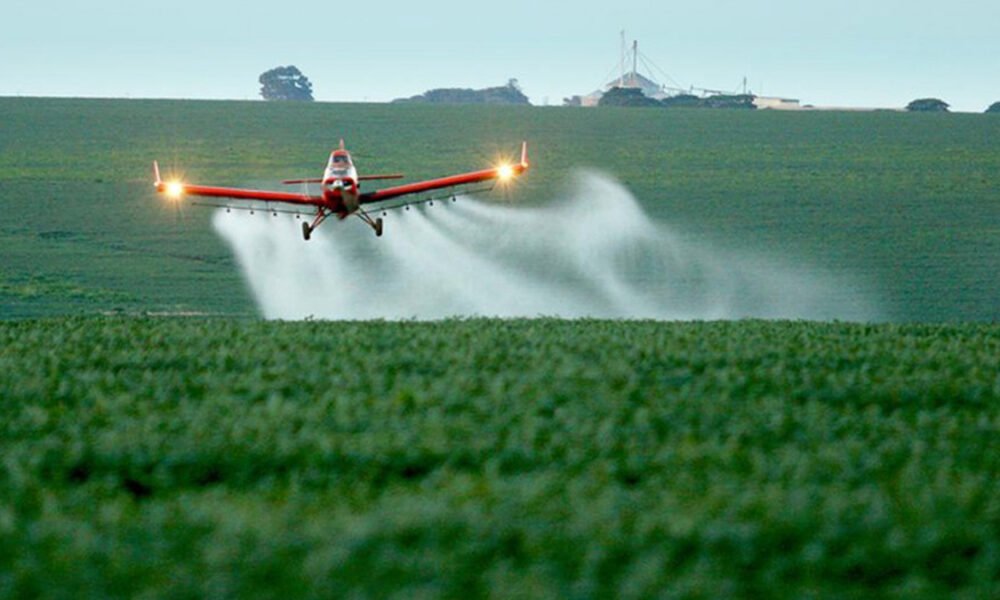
x=906, y=203
x=227, y=456
x=541, y=458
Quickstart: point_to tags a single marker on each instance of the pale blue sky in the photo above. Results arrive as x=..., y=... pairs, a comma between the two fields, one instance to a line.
x=847, y=53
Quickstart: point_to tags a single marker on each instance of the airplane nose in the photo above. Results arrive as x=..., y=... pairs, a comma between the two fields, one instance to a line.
x=341, y=184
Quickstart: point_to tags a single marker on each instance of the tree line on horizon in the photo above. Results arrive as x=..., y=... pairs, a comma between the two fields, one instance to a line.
x=509, y=94
x=938, y=105
x=634, y=97
x=288, y=83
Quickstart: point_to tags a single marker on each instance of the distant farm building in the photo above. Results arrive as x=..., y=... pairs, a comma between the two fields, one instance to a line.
x=631, y=80
x=764, y=102
x=626, y=79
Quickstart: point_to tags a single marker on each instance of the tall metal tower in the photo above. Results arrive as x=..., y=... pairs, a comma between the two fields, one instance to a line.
x=624, y=61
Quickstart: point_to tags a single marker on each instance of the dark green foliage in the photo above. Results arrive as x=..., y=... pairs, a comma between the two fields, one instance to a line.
x=682, y=101
x=588, y=459
x=618, y=96
x=285, y=83
x=743, y=101
x=927, y=105
x=634, y=97
x=509, y=94
x=994, y=108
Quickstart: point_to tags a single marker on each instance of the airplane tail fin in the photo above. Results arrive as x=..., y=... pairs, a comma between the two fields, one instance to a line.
x=342, y=143
x=524, y=154
x=156, y=173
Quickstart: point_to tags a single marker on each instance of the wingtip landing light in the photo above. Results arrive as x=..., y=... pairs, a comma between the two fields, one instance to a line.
x=174, y=189
x=508, y=171
x=505, y=172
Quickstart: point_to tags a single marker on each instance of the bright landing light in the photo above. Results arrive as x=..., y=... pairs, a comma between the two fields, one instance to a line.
x=505, y=172
x=175, y=189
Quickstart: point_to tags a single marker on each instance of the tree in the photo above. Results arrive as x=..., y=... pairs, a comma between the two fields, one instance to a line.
x=743, y=101
x=507, y=94
x=927, y=105
x=682, y=100
x=618, y=96
x=285, y=83
x=994, y=108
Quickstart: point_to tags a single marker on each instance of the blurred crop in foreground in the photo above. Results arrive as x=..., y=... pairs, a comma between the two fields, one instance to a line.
x=210, y=457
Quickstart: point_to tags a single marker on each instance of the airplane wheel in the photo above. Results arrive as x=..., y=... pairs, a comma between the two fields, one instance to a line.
x=378, y=227
x=306, y=231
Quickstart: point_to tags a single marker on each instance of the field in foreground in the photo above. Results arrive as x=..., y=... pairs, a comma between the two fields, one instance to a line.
x=191, y=457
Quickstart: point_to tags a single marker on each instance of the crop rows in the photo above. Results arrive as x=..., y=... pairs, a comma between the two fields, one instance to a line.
x=197, y=457
x=903, y=204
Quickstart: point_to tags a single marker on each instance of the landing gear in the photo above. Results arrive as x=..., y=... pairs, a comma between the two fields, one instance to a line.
x=375, y=224
x=308, y=228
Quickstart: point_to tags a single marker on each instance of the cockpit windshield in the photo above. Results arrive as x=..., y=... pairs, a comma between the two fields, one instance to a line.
x=339, y=160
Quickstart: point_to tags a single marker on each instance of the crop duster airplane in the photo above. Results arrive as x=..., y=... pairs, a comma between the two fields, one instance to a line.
x=340, y=191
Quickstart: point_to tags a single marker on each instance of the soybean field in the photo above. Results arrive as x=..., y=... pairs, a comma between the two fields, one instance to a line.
x=904, y=204
x=160, y=439
x=529, y=458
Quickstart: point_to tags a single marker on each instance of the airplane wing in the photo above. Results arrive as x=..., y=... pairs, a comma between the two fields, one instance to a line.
x=178, y=189
x=501, y=173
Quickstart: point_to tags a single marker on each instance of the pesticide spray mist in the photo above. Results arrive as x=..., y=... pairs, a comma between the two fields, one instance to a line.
x=592, y=254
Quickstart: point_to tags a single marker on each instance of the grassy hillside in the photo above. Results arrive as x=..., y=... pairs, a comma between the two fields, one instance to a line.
x=907, y=203
x=545, y=458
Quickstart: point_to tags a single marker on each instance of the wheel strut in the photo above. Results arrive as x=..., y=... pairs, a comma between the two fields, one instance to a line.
x=307, y=228
x=375, y=224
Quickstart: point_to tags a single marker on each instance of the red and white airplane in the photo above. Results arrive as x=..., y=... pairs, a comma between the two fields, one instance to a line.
x=340, y=191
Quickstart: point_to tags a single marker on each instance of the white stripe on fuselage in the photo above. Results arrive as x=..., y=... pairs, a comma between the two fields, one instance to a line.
x=338, y=172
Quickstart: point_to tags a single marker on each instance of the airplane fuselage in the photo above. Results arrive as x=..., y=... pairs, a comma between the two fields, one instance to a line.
x=340, y=184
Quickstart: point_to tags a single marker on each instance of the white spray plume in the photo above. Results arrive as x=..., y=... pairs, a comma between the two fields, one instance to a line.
x=593, y=254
